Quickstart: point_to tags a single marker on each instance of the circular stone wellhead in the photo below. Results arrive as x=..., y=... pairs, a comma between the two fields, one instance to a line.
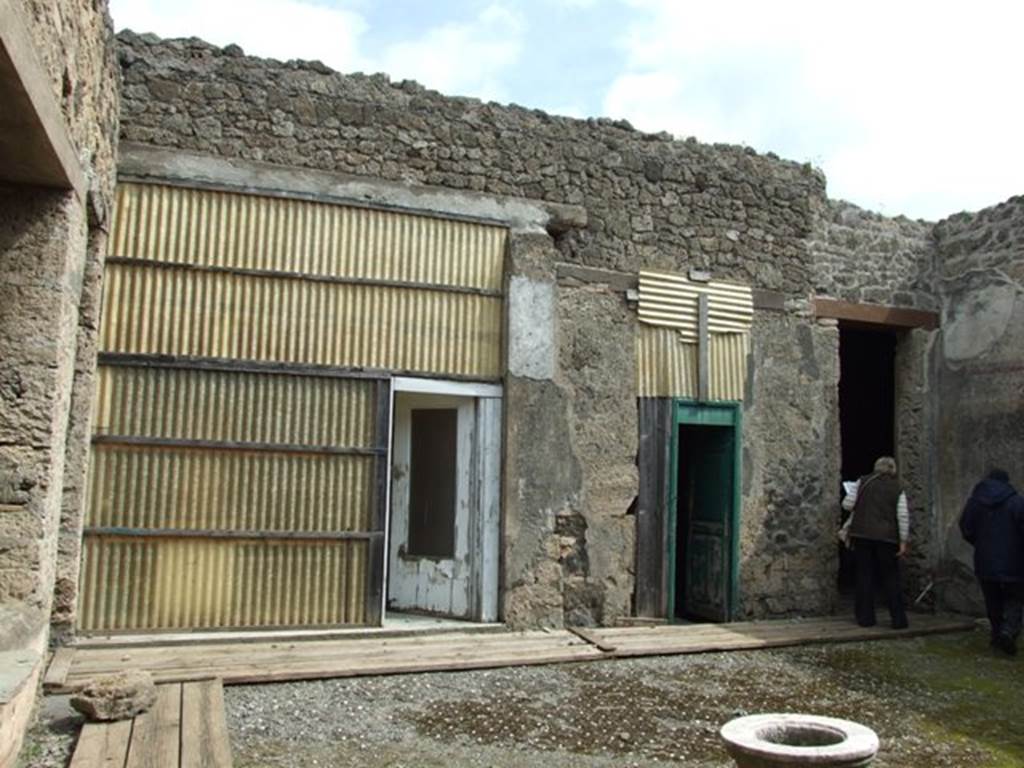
x=775, y=740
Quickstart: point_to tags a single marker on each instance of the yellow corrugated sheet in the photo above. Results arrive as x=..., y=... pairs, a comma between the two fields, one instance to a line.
x=667, y=364
x=669, y=300
x=228, y=229
x=156, y=310
x=200, y=473
x=154, y=487
x=175, y=584
x=234, y=406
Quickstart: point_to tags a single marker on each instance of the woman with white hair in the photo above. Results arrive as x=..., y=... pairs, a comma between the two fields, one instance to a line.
x=879, y=531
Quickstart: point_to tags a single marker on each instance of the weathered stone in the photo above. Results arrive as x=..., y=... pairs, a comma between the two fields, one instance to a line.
x=115, y=697
x=978, y=368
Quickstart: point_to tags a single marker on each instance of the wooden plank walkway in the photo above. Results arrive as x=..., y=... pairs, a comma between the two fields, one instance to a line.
x=312, y=659
x=623, y=642
x=186, y=728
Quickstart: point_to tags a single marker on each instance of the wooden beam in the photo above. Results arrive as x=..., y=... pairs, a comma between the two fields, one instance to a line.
x=233, y=445
x=156, y=734
x=374, y=607
x=651, y=523
x=234, y=365
x=35, y=146
x=306, y=277
x=57, y=672
x=197, y=533
x=204, y=730
x=703, y=349
x=875, y=314
x=585, y=634
x=102, y=744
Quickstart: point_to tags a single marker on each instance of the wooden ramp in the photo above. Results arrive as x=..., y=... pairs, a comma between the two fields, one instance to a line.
x=186, y=728
x=311, y=659
x=750, y=635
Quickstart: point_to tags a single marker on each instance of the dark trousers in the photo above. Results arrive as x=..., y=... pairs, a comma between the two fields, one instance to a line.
x=876, y=562
x=1004, y=603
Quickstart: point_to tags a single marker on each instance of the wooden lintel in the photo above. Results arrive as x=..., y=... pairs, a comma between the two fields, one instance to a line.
x=35, y=146
x=876, y=314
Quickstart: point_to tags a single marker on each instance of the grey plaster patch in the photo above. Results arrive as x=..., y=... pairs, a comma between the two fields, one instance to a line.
x=531, y=326
x=976, y=321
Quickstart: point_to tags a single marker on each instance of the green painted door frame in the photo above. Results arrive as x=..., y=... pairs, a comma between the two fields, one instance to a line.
x=727, y=415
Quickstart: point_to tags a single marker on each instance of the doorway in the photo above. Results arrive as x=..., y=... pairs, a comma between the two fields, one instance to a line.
x=704, y=503
x=867, y=412
x=444, y=500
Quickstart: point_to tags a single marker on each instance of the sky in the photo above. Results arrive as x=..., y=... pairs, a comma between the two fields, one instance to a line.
x=909, y=107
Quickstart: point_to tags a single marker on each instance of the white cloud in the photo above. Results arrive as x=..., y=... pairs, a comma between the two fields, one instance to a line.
x=906, y=106
x=462, y=58
x=281, y=29
x=470, y=57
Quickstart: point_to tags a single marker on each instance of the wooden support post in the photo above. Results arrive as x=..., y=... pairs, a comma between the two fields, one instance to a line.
x=373, y=613
x=651, y=507
x=703, y=349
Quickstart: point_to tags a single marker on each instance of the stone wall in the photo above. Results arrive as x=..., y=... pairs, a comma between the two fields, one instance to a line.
x=51, y=246
x=864, y=257
x=74, y=40
x=651, y=201
x=49, y=241
x=790, y=468
x=980, y=369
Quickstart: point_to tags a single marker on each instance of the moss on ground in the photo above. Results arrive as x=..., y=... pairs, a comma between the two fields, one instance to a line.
x=969, y=694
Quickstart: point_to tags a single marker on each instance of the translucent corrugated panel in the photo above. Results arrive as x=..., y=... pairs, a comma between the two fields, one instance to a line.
x=667, y=364
x=234, y=406
x=172, y=584
x=670, y=301
x=152, y=487
x=241, y=231
x=167, y=311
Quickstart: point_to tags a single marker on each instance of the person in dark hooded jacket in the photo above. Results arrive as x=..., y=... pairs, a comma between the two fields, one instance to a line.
x=993, y=522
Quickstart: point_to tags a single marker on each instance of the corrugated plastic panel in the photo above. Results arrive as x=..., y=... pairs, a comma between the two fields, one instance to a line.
x=152, y=487
x=168, y=584
x=667, y=364
x=728, y=353
x=168, y=311
x=241, y=231
x=670, y=301
x=234, y=407
x=666, y=367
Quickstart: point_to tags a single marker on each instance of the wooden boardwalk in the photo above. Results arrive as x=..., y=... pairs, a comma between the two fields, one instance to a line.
x=256, y=662
x=186, y=728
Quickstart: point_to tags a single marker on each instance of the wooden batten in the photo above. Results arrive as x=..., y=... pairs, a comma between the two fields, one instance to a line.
x=875, y=314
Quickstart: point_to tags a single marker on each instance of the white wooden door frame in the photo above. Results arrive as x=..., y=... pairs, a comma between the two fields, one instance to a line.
x=484, y=492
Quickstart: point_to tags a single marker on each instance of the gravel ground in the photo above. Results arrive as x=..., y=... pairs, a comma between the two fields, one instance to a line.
x=939, y=701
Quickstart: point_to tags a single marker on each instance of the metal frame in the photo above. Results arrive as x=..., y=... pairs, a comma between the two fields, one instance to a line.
x=713, y=414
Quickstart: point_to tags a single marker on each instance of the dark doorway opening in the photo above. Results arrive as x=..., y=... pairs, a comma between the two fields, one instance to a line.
x=867, y=412
x=705, y=496
x=432, y=483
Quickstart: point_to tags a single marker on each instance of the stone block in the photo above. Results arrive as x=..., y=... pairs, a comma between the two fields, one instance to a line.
x=116, y=697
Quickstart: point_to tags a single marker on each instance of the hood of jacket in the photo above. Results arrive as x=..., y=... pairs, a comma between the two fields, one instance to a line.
x=991, y=492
